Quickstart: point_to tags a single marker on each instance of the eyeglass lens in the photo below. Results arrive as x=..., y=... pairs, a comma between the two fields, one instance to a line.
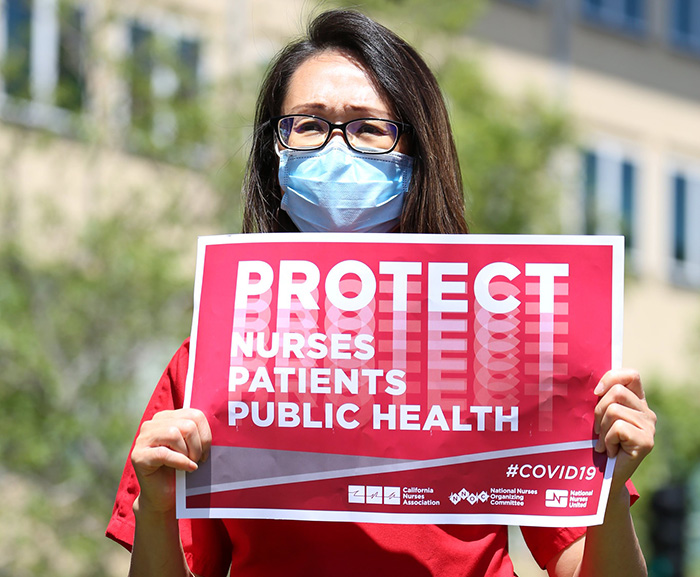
x=364, y=135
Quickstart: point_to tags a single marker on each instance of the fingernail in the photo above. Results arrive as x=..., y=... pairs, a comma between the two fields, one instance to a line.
x=596, y=428
x=599, y=388
x=600, y=446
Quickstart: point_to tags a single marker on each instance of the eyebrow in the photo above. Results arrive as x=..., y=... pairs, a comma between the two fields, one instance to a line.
x=318, y=107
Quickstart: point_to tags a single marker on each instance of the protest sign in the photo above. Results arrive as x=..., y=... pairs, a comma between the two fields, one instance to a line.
x=403, y=378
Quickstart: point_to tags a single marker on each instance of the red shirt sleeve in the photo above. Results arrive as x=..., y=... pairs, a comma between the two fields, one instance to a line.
x=205, y=541
x=544, y=542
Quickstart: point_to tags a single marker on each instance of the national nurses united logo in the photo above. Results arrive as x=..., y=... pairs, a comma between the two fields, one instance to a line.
x=556, y=498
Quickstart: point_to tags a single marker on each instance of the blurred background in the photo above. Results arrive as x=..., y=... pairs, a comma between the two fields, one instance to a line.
x=124, y=127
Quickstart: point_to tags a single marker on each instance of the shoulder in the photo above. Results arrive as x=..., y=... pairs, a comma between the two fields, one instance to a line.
x=170, y=390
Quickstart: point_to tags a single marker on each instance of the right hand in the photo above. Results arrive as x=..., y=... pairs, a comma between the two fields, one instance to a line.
x=172, y=440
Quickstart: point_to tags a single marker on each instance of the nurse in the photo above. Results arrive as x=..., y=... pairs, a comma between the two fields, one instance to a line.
x=352, y=134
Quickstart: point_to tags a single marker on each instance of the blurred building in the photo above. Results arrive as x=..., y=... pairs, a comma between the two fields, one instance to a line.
x=96, y=104
x=628, y=72
x=91, y=95
x=108, y=79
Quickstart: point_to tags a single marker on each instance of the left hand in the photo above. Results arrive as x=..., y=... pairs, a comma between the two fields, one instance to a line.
x=624, y=422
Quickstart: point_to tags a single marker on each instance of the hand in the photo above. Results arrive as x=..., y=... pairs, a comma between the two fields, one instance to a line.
x=624, y=422
x=172, y=440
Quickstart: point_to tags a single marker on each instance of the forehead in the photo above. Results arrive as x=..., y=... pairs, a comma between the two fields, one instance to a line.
x=333, y=84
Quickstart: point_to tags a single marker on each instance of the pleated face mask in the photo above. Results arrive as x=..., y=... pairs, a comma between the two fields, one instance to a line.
x=337, y=189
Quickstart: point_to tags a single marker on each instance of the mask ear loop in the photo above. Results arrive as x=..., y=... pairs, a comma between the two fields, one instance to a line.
x=278, y=149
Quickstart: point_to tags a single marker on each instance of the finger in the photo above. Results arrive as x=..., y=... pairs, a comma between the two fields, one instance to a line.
x=185, y=413
x=634, y=441
x=150, y=459
x=617, y=395
x=203, y=432
x=628, y=378
x=190, y=437
x=193, y=429
x=615, y=414
x=165, y=433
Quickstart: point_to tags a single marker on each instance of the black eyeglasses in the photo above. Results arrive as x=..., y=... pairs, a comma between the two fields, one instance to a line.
x=367, y=135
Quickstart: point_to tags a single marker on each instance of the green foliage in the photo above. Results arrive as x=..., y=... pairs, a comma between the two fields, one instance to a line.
x=506, y=147
x=506, y=150
x=230, y=136
x=437, y=16
x=677, y=450
x=85, y=334
x=676, y=453
x=75, y=335
x=169, y=123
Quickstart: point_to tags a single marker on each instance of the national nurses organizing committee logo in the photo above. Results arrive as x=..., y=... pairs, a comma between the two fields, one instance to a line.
x=469, y=497
x=372, y=495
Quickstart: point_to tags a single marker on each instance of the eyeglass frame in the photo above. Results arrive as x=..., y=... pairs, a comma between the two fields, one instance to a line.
x=402, y=128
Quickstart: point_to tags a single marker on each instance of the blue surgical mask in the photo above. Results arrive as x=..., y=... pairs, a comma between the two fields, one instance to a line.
x=337, y=189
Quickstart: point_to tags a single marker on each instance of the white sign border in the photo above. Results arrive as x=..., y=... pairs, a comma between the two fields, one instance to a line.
x=614, y=241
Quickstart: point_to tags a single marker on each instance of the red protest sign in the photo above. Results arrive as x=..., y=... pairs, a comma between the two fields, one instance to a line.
x=403, y=378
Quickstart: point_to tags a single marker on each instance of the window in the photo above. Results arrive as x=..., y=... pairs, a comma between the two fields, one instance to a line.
x=164, y=90
x=70, y=83
x=44, y=55
x=609, y=191
x=685, y=241
x=18, y=18
x=624, y=15
x=685, y=24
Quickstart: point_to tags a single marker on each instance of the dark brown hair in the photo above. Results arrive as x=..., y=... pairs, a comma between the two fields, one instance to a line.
x=435, y=202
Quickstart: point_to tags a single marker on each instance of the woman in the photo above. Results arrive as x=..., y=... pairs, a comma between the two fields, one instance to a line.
x=353, y=104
